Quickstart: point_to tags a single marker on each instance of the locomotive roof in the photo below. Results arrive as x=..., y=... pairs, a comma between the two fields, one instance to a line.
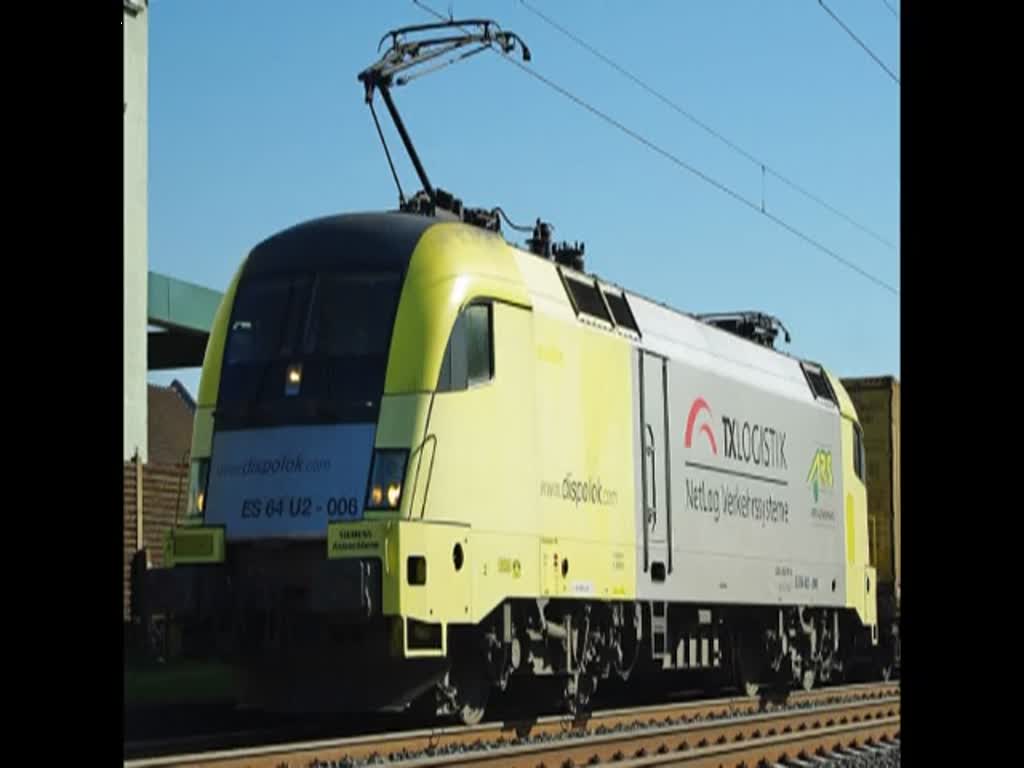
x=371, y=241
x=633, y=294
x=387, y=239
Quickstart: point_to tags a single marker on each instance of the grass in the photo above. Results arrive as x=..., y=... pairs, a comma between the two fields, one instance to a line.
x=149, y=682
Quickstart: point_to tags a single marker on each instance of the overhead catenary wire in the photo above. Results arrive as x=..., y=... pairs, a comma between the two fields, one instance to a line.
x=719, y=185
x=860, y=42
x=765, y=167
x=893, y=10
x=440, y=16
x=686, y=166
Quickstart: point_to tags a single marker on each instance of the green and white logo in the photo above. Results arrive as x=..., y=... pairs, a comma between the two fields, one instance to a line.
x=820, y=474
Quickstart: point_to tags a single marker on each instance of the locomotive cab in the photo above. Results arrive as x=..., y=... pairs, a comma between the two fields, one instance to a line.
x=339, y=344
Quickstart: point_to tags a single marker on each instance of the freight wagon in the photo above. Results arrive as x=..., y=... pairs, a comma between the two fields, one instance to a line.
x=877, y=400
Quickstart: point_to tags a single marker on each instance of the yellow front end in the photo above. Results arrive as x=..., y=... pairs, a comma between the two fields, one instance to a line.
x=482, y=516
x=422, y=587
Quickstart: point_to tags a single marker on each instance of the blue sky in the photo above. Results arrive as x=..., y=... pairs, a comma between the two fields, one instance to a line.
x=257, y=122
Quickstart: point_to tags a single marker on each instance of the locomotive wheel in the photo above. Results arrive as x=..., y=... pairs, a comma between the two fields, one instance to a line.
x=472, y=712
x=579, y=689
x=746, y=665
x=472, y=692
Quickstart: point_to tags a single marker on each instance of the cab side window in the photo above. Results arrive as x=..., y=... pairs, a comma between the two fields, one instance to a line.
x=858, y=452
x=469, y=357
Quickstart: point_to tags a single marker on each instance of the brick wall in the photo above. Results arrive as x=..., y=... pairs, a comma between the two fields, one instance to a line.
x=164, y=495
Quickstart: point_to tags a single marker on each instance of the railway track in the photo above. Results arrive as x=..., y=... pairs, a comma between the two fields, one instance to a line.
x=848, y=723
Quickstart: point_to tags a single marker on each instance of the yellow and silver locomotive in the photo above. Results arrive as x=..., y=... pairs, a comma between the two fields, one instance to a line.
x=427, y=462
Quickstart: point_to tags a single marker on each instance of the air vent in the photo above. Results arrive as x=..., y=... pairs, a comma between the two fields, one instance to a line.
x=818, y=382
x=621, y=311
x=586, y=298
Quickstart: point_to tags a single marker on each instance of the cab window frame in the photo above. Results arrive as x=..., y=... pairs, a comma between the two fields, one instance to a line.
x=458, y=363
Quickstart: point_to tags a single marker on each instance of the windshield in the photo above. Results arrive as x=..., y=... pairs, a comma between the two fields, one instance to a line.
x=307, y=348
x=264, y=321
x=354, y=314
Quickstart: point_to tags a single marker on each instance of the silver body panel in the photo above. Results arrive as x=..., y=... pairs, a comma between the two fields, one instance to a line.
x=727, y=433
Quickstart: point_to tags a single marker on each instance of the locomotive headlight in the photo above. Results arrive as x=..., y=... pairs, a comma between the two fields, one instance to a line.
x=293, y=380
x=198, y=481
x=387, y=472
x=394, y=494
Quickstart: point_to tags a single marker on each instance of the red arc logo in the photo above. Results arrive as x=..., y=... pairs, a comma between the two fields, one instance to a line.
x=700, y=404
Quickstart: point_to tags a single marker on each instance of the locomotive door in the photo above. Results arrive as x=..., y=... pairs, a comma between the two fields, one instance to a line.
x=654, y=444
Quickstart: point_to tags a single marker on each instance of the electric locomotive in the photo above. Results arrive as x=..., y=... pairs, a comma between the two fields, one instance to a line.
x=427, y=462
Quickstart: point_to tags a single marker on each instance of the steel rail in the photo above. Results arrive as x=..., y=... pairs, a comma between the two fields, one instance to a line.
x=556, y=732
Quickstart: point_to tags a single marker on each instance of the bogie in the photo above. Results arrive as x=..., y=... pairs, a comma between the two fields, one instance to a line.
x=578, y=645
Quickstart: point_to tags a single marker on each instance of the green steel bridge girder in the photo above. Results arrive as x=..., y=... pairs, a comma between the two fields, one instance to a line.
x=184, y=314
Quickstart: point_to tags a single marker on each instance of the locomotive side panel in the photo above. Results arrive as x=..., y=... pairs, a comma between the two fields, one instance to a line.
x=584, y=488
x=477, y=473
x=751, y=463
x=584, y=449
x=756, y=508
